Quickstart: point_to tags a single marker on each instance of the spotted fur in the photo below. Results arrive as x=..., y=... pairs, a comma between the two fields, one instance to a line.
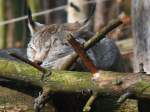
x=49, y=48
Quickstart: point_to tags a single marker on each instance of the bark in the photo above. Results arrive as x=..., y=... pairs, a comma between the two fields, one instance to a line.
x=69, y=81
x=141, y=31
x=61, y=15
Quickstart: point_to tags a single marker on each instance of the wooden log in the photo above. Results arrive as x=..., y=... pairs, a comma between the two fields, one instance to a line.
x=69, y=81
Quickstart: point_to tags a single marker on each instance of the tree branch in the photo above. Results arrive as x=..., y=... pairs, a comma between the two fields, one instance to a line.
x=82, y=54
x=27, y=61
x=68, y=81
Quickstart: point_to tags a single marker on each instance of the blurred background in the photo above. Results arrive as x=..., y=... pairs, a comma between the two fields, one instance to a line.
x=13, y=24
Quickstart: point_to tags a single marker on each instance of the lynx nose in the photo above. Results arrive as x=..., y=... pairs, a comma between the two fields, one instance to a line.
x=38, y=62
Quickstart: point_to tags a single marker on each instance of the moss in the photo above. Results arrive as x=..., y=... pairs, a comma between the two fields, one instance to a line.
x=76, y=81
x=19, y=71
x=69, y=80
x=128, y=106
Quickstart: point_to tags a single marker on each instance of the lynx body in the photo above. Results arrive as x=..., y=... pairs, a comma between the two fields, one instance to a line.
x=49, y=48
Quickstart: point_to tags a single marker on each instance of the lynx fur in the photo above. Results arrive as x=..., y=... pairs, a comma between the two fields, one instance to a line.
x=49, y=48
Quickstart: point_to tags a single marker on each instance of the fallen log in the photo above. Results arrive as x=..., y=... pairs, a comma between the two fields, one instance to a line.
x=137, y=84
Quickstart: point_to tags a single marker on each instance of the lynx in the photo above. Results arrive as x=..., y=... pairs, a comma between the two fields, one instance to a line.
x=49, y=48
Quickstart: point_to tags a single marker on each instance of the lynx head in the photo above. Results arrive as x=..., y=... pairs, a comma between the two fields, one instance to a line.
x=42, y=40
x=45, y=40
x=48, y=42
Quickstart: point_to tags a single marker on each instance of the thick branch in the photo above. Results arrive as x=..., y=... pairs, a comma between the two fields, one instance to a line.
x=82, y=54
x=67, y=81
x=27, y=61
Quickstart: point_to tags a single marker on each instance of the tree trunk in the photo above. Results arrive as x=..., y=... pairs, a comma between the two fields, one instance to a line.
x=141, y=34
x=2, y=28
x=56, y=17
x=12, y=37
x=102, y=13
x=46, y=5
x=21, y=76
x=10, y=29
x=19, y=27
x=77, y=10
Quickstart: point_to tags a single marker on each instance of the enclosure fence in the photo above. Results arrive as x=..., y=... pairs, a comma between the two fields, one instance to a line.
x=63, y=7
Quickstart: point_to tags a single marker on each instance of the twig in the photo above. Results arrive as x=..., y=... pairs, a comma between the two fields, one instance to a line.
x=82, y=54
x=100, y=35
x=124, y=97
x=91, y=42
x=90, y=101
x=88, y=63
x=40, y=101
x=28, y=61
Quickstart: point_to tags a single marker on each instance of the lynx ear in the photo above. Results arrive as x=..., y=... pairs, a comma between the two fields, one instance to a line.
x=36, y=27
x=33, y=26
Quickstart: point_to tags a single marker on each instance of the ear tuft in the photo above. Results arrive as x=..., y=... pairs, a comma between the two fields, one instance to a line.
x=31, y=23
x=30, y=20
